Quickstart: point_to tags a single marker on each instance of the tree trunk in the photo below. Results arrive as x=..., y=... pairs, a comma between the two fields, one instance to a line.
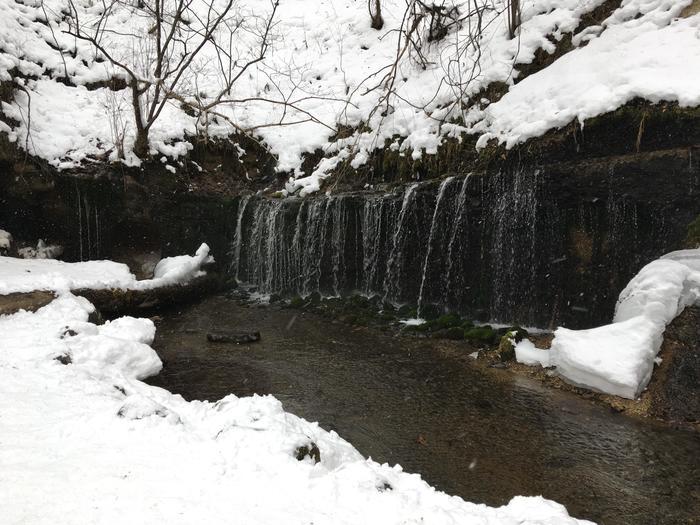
x=141, y=146
x=376, y=16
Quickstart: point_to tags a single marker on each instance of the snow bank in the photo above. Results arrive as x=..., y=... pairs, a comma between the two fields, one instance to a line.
x=619, y=358
x=527, y=354
x=100, y=446
x=643, y=50
x=27, y=275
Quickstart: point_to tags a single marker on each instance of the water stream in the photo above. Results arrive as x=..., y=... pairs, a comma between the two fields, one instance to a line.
x=483, y=436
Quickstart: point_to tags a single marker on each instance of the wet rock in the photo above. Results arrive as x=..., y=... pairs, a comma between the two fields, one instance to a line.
x=296, y=301
x=675, y=386
x=114, y=302
x=64, y=359
x=454, y=333
x=506, y=346
x=430, y=311
x=481, y=334
x=447, y=321
x=309, y=450
x=233, y=337
x=31, y=302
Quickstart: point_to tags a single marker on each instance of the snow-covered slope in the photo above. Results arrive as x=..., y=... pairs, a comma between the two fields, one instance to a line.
x=85, y=441
x=28, y=275
x=327, y=60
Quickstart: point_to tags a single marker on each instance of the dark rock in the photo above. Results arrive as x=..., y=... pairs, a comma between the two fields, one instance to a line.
x=68, y=332
x=11, y=303
x=481, y=334
x=114, y=302
x=233, y=337
x=64, y=359
x=447, y=321
x=455, y=333
x=296, y=302
x=310, y=450
x=430, y=311
x=675, y=386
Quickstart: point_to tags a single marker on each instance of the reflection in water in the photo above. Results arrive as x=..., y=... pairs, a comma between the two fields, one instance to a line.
x=399, y=401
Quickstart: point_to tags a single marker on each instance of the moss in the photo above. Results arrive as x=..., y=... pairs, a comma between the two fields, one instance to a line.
x=481, y=334
x=447, y=321
x=506, y=346
x=296, y=302
x=692, y=239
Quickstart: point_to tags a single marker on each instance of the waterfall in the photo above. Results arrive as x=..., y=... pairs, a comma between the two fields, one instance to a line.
x=493, y=247
x=238, y=238
x=434, y=225
x=392, y=280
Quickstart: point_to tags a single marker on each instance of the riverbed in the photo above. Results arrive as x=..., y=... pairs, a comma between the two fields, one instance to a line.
x=483, y=436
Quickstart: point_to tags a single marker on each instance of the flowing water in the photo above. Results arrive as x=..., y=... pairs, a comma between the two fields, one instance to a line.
x=484, y=436
x=506, y=248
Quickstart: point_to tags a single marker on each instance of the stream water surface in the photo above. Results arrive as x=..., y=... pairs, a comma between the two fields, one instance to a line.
x=484, y=437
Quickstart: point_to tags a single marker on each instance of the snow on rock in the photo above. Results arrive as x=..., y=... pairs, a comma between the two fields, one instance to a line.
x=619, y=358
x=5, y=239
x=42, y=251
x=27, y=275
x=5, y=242
x=643, y=50
x=100, y=446
x=527, y=354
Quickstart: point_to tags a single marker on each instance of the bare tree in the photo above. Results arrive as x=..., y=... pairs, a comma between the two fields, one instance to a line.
x=163, y=66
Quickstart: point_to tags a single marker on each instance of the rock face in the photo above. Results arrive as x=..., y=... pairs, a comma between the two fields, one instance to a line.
x=675, y=391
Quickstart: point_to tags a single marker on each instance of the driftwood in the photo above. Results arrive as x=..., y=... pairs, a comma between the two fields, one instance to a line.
x=233, y=337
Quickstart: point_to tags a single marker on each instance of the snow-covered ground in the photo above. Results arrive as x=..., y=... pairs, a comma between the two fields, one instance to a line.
x=619, y=358
x=83, y=440
x=27, y=275
x=326, y=59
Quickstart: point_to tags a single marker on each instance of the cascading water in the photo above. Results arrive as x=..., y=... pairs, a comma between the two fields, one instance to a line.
x=493, y=248
x=435, y=231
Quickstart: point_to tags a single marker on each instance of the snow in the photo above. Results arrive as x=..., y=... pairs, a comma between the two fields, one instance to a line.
x=42, y=251
x=619, y=358
x=5, y=240
x=27, y=275
x=100, y=446
x=527, y=354
x=646, y=57
x=327, y=60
